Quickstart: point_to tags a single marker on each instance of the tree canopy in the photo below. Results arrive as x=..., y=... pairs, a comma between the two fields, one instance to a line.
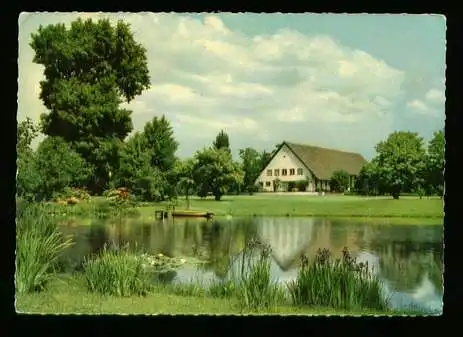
x=222, y=141
x=214, y=171
x=252, y=165
x=90, y=68
x=400, y=162
x=436, y=163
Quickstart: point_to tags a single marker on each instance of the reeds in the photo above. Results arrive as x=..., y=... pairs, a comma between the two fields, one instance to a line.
x=118, y=272
x=255, y=288
x=342, y=284
x=39, y=244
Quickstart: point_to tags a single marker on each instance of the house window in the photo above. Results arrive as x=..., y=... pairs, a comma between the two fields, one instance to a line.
x=299, y=172
x=276, y=172
x=267, y=183
x=284, y=172
x=292, y=172
x=269, y=173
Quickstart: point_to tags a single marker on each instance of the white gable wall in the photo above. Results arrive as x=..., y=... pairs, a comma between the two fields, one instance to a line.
x=284, y=159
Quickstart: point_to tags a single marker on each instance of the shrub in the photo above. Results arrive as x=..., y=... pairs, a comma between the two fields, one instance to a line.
x=70, y=192
x=342, y=284
x=151, y=187
x=256, y=290
x=301, y=185
x=117, y=272
x=291, y=186
x=39, y=244
x=339, y=181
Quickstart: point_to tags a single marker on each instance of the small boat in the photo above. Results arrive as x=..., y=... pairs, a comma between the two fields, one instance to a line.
x=196, y=214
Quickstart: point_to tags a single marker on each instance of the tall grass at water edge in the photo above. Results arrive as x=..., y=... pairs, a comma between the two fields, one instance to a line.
x=343, y=284
x=255, y=288
x=39, y=244
x=119, y=272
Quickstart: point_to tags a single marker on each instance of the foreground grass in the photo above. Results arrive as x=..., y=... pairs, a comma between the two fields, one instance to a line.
x=39, y=244
x=71, y=296
x=328, y=206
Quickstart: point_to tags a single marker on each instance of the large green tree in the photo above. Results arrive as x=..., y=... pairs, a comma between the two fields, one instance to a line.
x=147, y=161
x=90, y=68
x=252, y=165
x=400, y=160
x=214, y=171
x=158, y=140
x=436, y=163
x=183, y=175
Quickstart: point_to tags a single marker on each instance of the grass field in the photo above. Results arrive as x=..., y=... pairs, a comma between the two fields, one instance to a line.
x=326, y=206
x=71, y=297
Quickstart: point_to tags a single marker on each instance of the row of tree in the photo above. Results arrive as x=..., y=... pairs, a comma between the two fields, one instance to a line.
x=404, y=165
x=92, y=67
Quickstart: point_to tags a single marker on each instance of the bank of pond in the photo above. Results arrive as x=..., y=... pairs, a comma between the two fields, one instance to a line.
x=240, y=265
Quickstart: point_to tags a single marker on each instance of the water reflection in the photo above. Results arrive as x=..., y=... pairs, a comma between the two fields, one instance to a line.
x=408, y=258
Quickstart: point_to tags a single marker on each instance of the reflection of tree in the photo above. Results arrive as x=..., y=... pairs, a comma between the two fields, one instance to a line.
x=404, y=263
x=166, y=277
x=98, y=236
x=221, y=241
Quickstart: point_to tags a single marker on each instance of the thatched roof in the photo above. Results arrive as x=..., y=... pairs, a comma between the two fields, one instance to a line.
x=323, y=162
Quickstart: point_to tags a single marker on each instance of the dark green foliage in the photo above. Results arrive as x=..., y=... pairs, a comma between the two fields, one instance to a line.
x=339, y=182
x=90, y=68
x=147, y=162
x=291, y=186
x=215, y=171
x=151, y=187
x=53, y=167
x=434, y=171
x=399, y=163
x=339, y=284
x=159, y=142
x=251, y=164
x=301, y=185
x=222, y=141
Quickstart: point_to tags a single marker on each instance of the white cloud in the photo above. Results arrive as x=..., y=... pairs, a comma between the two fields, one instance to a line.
x=418, y=105
x=262, y=88
x=435, y=95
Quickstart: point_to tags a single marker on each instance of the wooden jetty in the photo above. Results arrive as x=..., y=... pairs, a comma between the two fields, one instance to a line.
x=160, y=214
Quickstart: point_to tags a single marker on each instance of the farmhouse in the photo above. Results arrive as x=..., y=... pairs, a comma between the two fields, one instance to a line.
x=295, y=162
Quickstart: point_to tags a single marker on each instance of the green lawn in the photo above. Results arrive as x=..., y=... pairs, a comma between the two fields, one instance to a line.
x=327, y=206
x=73, y=298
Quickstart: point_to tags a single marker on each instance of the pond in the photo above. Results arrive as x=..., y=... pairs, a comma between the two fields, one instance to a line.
x=409, y=259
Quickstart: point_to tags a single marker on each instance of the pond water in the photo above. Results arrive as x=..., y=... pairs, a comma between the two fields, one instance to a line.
x=409, y=259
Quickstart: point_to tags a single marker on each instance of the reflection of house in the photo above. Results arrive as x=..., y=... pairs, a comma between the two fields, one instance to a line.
x=287, y=237
x=293, y=162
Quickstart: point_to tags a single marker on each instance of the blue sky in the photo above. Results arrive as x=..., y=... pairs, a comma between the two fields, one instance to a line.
x=334, y=80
